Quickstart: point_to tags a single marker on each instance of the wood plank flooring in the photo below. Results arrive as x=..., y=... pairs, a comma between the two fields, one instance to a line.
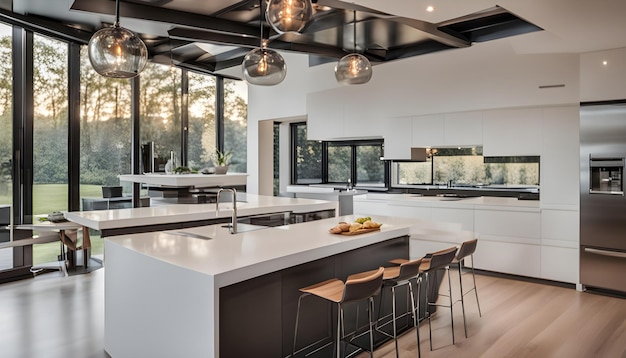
x=522, y=319
x=53, y=316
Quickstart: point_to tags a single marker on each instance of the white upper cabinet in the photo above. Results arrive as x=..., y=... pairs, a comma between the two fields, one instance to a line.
x=509, y=132
x=463, y=129
x=428, y=131
x=398, y=136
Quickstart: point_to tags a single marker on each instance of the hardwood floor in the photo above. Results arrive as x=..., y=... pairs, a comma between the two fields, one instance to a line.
x=53, y=316
x=523, y=319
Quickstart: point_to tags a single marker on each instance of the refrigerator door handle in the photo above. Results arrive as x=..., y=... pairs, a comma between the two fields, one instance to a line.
x=606, y=252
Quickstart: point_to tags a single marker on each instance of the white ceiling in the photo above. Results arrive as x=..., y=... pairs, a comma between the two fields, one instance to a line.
x=571, y=26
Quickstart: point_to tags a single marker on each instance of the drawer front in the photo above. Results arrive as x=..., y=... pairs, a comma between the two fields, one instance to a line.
x=603, y=269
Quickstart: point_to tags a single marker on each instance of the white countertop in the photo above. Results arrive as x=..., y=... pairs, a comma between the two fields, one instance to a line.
x=165, y=214
x=481, y=202
x=231, y=258
x=188, y=180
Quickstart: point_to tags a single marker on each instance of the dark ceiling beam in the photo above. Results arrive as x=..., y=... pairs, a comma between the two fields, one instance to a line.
x=159, y=14
x=180, y=33
x=46, y=27
x=423, y=48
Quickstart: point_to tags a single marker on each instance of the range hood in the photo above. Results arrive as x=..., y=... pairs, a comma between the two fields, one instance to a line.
x=420, y=154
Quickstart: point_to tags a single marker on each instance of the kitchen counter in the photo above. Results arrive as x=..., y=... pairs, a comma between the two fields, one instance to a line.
x=188, y=180
x=483, y=202
x=170, y=292
x=178, y=213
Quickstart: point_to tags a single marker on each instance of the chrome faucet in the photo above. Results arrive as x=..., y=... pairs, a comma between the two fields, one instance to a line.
x=233, y=225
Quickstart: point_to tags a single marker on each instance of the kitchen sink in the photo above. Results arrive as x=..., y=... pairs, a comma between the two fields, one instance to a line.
x=241, y=227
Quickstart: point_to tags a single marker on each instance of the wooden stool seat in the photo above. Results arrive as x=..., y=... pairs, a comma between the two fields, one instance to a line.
x=358, y=287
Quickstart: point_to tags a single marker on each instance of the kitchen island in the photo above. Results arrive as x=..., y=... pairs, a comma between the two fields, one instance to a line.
x=178, y=216
x=203, y=292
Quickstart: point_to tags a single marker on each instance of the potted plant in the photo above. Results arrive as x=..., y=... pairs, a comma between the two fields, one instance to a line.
x=221, y=160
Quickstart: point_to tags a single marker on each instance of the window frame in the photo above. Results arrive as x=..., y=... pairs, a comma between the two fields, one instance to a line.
x=353, y=144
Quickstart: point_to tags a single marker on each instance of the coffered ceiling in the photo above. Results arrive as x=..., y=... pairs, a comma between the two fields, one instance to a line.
x=213, y=35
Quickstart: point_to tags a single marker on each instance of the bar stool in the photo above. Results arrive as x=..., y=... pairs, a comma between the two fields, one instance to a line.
x=399, y=276
x=467, y=249
x=431, y=263
x=358, y=287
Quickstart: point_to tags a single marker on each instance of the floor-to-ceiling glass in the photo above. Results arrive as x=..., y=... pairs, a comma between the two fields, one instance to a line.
x=160, y=111
x=105, y=133
x=6, y=143
x=50, y=128
x=202, y=125
x=236, y=123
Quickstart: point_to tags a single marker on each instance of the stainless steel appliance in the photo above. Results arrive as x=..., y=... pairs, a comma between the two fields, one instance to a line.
x=602, y=200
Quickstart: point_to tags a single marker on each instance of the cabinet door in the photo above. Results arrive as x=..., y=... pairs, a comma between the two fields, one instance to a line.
x=463, y=129
x=324, y=115
x=398, y=138
x=512, y=132
x=560, y=156
x=428, y=131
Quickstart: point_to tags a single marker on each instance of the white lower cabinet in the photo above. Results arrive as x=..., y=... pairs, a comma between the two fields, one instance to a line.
x=559, y=264
x=519, y=240
x=507, y=257
x=559, y=244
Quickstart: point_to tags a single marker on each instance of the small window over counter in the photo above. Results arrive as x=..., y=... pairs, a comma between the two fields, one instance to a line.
x=466, y=167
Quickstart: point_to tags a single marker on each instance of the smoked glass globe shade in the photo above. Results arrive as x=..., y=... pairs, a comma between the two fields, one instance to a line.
x=264, y=67
x=353, y=69
x=288, y=15
x=117, y=52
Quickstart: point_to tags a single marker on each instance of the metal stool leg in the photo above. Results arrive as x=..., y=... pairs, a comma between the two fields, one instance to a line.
x=415, y=312
x=447, y=271
x=371, y=308
x=295, y=330
x=393, y=318
x=475, y=289
x=462, y=295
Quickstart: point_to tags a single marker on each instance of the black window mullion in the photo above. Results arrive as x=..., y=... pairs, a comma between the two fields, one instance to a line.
x=73, y=150
x=184, y=118
x=219, y=113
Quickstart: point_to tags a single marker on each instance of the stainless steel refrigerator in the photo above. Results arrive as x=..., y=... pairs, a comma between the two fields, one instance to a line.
x=602, y=200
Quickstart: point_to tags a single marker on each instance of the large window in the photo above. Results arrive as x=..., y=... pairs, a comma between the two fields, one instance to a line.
x=202, y=120
x=306, y=157
x=50, y=126
x=236, y=123
x=160, y=110
x=104, y=134
x=6, y=142
x=342, y=162
x=104, y=129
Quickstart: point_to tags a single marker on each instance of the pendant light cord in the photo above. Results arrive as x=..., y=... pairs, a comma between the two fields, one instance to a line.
x=354, y=33
x=261, y=20
x=117, y=13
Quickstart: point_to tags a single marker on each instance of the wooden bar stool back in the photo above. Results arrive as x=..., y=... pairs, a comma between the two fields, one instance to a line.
x=358, y=287
x=399, y=276
x=467, y=249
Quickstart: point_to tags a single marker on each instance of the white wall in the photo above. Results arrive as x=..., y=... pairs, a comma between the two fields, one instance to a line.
x=486, y=76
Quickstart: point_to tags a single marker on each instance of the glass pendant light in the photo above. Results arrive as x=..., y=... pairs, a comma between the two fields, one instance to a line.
x=288, y=15
x=262, y=66
x=353, y=69
x=117, y=52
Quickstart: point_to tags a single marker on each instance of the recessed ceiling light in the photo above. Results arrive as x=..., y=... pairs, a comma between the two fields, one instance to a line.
x=430, y=8
x=605, y=63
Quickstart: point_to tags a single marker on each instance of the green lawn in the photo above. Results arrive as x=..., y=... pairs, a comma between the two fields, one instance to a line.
x=53, y=197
